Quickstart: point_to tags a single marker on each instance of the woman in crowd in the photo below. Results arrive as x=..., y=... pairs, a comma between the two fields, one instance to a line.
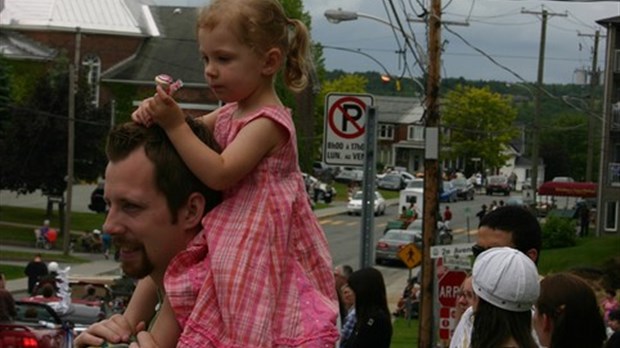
x=505, y=282
x=567, y=314
x=374, y=324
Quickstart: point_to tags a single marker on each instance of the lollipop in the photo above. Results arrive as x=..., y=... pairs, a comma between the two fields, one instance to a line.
x=168, y=83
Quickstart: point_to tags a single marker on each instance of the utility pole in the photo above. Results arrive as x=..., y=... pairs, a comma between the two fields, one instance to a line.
x=593, y=83
x=539, y=84
x=431, y=175
x=73, y=76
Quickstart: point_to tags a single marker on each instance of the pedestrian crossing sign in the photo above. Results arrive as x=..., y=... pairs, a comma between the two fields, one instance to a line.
x=410, y=255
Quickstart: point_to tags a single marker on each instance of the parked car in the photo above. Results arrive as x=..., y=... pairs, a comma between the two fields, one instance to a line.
x=447, y=192
x=464, y=189
x=97, y=203
x=35, y=325
x=389, y=245
x=416, y=183
x=498, y=183
x=323, y=170
x=392, y=182
x=80, y=313
x=355, y=204
x=349, y=174
x=318, y=190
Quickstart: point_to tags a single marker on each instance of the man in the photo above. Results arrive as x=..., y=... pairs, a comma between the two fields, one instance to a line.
x=447, y=218
x=156, y=206
x=508, y=226
x=35, y=270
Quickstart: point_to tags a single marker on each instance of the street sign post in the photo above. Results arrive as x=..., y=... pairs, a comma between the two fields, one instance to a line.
x=462, y=249
x=345, y=127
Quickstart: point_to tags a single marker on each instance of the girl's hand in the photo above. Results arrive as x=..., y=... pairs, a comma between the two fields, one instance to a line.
x=141, y=115
x=164, y=110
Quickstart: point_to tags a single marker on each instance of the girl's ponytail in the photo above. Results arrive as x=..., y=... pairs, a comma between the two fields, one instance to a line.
x=298, y=61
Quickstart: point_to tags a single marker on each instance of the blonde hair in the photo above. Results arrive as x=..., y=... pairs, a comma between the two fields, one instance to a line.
x=262, y=25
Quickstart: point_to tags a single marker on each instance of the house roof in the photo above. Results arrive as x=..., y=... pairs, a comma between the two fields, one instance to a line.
x=13, y=45
x=115, y=17
x=399, y=110
x=610, y=20
x=174, y=52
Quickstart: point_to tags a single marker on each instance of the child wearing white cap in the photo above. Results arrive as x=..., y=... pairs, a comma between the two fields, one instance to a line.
x=506, y=284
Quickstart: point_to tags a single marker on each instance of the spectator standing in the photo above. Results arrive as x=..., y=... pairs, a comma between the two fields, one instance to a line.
x=505, y=282
x=464, y=299
x=483, y=211
x=374, y=325
x=7, y=306
x=447, y=217
x=609, y=303
x=106, y=239
x=351, y=318
x=583, y=214
x=510, y=226
x=614, y=324
x=567, y=315
x=50, y=278
x=35, y=270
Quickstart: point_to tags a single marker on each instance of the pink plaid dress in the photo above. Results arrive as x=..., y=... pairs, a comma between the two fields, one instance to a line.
x=260, y=272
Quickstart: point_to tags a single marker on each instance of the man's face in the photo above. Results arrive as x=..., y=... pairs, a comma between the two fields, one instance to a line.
x=491, y=238
x=138, y=219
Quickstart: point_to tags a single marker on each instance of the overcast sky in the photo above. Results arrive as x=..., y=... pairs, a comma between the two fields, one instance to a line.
x=496, y=27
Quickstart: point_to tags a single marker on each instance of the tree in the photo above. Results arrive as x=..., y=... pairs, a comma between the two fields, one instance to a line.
x=34, y=154
x=480, y=124
x=564, y=140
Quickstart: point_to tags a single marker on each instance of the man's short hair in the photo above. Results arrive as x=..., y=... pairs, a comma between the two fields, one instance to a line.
x=520, y=223
x=172, y=176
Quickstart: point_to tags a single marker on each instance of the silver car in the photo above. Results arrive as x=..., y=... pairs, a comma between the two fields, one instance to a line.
x=389, y=245
x=355, y=204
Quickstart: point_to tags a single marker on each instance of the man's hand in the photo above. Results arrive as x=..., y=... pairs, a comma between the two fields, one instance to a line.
x=116, y=329
x=144, y=340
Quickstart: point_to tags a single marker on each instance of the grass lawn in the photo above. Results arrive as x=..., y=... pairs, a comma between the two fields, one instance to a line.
x=12, y=272
x=589, y=252
x=405, y=334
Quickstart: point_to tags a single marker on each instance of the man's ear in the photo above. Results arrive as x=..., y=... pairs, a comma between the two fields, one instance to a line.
x=194, y=208
x=273, y=61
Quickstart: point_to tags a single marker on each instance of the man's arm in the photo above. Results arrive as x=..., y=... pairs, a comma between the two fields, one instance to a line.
x=120, y=328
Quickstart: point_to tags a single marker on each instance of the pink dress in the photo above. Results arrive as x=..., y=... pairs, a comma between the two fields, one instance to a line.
x=260, y=273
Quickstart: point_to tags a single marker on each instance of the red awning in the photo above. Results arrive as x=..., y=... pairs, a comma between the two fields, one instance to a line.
x=568, y=189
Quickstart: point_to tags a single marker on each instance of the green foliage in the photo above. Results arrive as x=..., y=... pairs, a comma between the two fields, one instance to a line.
x=481, y=124
x=34, y=150
x=558, y=232
x=589, y=252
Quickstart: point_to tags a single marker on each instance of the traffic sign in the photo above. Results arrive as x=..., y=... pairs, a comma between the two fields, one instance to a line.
x=447, y=322
x=345, y=127
x=411, y=255
x=462, y=249
x=449, y=286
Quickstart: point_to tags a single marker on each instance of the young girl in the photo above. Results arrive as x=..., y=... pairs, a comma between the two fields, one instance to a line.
x=260, y=273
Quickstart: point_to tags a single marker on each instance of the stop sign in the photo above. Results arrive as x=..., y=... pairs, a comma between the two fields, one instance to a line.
x=449, y=286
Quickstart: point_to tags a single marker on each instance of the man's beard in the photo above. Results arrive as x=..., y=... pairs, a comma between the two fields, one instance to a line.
x=134, y=260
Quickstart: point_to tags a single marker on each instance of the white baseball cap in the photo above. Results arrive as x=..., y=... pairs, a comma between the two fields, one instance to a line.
x=506, y=278
x=96, y=231
x=52, y=266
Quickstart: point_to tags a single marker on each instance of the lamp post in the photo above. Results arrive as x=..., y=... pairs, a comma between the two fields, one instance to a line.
x=339, y=15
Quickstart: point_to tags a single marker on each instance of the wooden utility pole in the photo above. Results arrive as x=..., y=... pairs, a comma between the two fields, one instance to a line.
x=593, y=83
x=431, y=174
x=73, y=76
x=539, y=87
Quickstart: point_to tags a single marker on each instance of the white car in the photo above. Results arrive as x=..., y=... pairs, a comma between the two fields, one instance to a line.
x=350, y=174
x=355, y=204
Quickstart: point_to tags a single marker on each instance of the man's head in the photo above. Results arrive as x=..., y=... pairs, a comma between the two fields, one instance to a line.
x=510, y=226
x=155, y=202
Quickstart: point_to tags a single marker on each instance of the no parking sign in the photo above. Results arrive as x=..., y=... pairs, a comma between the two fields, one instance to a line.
x=345, y=127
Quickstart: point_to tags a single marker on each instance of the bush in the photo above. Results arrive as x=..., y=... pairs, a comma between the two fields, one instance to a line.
x=558, y=232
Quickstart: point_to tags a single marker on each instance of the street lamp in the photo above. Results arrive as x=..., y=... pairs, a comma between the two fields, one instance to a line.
x=340, y=15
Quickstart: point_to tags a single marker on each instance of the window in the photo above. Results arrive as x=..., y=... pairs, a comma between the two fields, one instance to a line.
x=92, y=70
x=386, y=131
x=611, y=216
x=415, y=133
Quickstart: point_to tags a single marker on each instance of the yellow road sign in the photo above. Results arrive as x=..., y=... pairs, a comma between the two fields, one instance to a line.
x=410, y=255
